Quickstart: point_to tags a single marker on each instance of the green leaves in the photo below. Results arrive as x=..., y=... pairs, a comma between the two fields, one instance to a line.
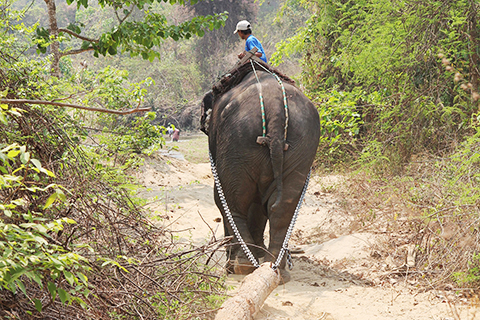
x=52, y=288
x=42, y=38
x=140, y=37
x=75, y=28
x=389, y=49
x=27, y=252
x=137, y=37
x=6, y=111
x=57, y=195
x=340, y=121
x=63, y=295
x=9, y=154
x=3, y=108
x=38, y=304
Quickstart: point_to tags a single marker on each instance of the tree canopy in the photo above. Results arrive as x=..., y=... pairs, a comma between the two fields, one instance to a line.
x=136, y=34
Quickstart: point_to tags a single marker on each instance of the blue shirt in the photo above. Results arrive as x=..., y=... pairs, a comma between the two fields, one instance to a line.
x=252, y=42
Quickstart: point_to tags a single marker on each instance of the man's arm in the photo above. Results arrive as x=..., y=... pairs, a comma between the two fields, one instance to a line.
x=241, y=55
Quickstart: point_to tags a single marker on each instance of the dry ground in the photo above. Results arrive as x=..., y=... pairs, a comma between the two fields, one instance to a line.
x=338, y=273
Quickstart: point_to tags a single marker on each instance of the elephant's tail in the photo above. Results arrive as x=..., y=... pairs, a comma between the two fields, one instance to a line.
x=275, y=130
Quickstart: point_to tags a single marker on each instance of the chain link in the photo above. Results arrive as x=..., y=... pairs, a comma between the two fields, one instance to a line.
x=244, y=246
x=292, y=224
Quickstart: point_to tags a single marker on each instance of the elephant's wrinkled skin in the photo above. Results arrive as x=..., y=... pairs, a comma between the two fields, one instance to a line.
x=259, y=181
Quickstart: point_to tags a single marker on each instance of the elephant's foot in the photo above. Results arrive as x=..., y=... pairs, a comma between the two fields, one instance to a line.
x=243, y=266
x=285, y=276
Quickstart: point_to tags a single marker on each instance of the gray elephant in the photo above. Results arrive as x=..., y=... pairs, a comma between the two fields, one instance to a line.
x=262, y=178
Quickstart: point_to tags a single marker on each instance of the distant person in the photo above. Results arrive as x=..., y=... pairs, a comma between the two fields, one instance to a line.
x=170, y=131
x=176, y=134
x=244, y=30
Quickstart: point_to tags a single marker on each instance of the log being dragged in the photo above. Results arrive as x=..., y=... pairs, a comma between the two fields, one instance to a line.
x=251, y=295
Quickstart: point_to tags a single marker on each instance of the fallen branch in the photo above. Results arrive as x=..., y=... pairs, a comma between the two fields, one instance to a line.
x=68, y=105
x=254, y=290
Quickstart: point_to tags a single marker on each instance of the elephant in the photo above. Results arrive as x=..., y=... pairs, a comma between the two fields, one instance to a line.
x=262, y=178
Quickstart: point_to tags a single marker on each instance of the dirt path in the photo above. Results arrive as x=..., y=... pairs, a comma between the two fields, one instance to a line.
x=337, y=274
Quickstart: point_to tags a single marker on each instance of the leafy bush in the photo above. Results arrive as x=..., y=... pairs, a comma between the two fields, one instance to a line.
x=472, y=276
x=416, y=57
x=74, y=243
x=29, y=256
x=409, y=69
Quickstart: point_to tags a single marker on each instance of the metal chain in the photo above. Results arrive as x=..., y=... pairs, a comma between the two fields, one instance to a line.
x=289, y=259
x=292, y=224
x=244, y=246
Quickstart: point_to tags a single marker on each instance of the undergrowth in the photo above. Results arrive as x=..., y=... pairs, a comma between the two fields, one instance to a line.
x=434, y=206
x=74, y=242
x=404, y=114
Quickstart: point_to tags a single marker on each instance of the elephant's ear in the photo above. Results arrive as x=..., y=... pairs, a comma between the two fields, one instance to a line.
x=206, y=105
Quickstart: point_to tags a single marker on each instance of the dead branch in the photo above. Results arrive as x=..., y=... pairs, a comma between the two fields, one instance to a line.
x=68, y=105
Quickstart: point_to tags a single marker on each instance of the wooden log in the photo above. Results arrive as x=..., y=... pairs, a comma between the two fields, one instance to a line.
x=251, y=295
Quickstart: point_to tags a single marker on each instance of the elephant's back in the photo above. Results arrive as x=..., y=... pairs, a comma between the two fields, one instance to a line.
x=257, y=107
x=238, y=120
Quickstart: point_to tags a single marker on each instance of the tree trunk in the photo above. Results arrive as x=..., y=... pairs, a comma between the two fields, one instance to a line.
x=54, y=48
x=251, y=295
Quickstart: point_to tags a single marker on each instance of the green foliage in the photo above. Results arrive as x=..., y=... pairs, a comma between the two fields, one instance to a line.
x=177, y=78
x=111, y=88
x=13, y=35
x=62, y=248
x=28, y=253
x=137, y=37
x=462, y=176
x=340, y=121
x=472, y=276
x=122, y=139
x=141, y=136
x=416, y=56
x=409, y=70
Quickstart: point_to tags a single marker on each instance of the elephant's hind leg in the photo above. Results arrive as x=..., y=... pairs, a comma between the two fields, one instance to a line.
x=281, y=216
x=257, y=220
x=237, y=260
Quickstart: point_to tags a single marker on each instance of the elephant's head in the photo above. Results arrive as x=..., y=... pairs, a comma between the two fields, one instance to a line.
x=206, y=105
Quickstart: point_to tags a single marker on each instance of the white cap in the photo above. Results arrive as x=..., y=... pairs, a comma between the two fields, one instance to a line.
x=242, y=25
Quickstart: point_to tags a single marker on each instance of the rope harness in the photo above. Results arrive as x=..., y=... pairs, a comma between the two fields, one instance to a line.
x=262, y=106
x=223, y=200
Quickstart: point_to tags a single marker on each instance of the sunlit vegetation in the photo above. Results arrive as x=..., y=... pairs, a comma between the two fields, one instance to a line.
x=396, y=84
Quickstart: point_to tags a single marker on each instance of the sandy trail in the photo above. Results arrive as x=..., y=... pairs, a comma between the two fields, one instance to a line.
x=336, y=274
